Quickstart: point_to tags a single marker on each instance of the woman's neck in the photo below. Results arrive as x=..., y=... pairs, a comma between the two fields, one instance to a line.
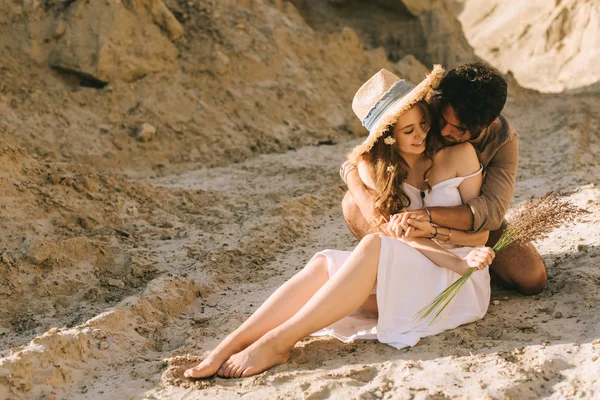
x=411, y=159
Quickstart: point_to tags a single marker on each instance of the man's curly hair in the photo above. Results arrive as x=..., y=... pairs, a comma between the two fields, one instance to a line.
x=477, y=93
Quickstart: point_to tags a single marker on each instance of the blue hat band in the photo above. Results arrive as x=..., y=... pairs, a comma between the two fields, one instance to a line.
x=391, y=98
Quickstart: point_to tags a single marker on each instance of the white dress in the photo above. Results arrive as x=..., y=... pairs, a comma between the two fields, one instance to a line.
x=407, y=281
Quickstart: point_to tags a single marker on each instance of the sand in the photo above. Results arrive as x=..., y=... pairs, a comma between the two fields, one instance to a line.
x=125, y=260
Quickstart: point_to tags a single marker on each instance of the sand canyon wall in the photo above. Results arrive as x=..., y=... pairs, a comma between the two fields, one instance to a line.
x=550, y=46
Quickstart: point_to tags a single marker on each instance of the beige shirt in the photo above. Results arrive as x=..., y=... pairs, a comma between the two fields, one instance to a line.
x=498, y=151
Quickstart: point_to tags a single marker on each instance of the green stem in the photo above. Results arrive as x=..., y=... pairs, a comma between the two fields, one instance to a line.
x=442, y=300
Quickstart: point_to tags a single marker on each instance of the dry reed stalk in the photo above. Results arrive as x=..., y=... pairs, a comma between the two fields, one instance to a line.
x=532, y=222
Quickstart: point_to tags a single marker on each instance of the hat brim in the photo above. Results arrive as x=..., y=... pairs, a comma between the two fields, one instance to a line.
x=421, y=92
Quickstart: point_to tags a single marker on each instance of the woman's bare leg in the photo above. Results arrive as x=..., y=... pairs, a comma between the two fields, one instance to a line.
x=345, y=292
x=370, y=304
x=278, y=308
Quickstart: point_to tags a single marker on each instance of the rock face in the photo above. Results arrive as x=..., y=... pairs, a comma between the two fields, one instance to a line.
x=251, y=78
x=549, y=46
x=427, y=30
x=109, y=40
x=415, y=7
x=160, y=15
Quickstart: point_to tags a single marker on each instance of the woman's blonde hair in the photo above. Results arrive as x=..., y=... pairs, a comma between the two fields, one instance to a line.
x=389, y=169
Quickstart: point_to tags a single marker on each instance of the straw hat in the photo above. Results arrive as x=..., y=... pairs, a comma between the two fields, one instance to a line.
x=380, y=101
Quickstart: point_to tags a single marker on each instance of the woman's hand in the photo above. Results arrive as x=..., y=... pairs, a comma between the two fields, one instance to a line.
x=480, y=257
x=418, y=229
x=383, y=228
x=394, y=226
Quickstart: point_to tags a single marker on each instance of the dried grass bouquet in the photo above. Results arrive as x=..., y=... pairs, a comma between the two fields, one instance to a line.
x=533, y=222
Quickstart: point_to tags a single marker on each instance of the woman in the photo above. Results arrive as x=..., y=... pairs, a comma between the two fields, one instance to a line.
x=382, y=274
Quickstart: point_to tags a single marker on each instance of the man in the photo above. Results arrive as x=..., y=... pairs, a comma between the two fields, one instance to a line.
x=469, y=102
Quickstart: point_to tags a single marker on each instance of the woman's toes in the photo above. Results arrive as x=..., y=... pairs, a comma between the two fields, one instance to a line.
x=229, y=372
x=189, y=373
x=202, y=370
x=221, y=370
x=225, y=369
x=236, y=372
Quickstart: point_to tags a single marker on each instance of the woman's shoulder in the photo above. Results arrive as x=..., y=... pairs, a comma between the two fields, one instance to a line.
x=461, y=157
x=457, y=152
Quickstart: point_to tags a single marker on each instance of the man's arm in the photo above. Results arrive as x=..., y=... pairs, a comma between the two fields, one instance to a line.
x=423, y=229
x=497, y=190
x=363, y=196
x=456, y=217
x=478, y=258
x=486, y=211
x=465, y=162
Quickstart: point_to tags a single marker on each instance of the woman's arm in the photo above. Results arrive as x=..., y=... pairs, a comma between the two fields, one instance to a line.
x=478, y=258
x=446, y=235
x=435, y=252
x=462, y=238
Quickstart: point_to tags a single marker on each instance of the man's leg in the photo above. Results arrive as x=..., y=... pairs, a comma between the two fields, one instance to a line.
x=519, y=266
x=356, y=222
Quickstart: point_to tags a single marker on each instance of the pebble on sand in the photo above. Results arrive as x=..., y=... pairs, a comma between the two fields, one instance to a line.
x=145, y=132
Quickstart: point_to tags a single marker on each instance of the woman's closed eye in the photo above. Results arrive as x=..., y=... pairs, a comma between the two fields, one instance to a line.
x=409, y=132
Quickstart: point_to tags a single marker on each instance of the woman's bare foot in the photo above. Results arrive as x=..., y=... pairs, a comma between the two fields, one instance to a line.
x=260, y=356
x=209, y=366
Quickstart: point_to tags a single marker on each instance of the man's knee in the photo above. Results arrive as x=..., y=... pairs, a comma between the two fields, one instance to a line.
x=534, y=277
x=520, y=266
x=534, y=283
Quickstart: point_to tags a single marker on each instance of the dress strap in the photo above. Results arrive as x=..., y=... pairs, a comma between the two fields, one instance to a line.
x=474, y=174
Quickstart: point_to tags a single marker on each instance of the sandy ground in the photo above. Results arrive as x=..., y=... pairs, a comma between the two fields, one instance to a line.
x=124, y=261
x=260, y=222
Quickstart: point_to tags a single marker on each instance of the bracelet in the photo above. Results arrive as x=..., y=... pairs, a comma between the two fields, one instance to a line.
x=446, y=236
x=345, y=169
x=429, y=213
x=348, y=170
x=436, y=232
